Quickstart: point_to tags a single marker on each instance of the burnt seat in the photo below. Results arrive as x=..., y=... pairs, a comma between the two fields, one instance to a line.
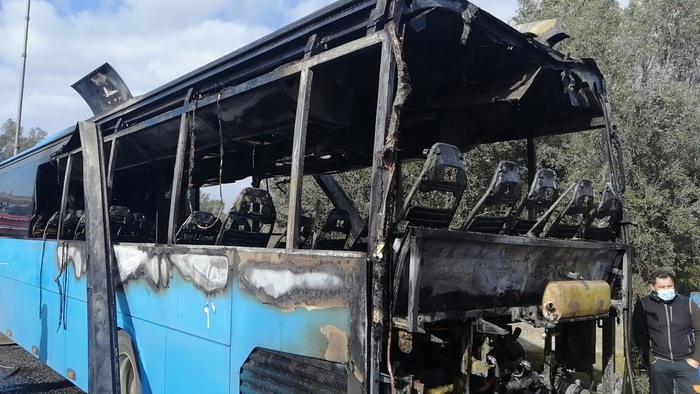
x=200, y=228
x=443, y=174
x=431, y=203
x=499, y=201
x=79, y=233
x=50, y=227
x=576, y=214
x=70, y=223
x=543, y=193
x=250, y=220
x=360, y=242
x=144, y=229
x=306, y=227
x=121, y=223
x=335, y=231
x=605, y=222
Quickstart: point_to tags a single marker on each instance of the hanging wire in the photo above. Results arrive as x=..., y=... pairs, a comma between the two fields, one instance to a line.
x=41, y=268
x=190, y=170
x=221, y=168
x=62, y=294
x=221, y=154
x=64, y=299
x=253, y=159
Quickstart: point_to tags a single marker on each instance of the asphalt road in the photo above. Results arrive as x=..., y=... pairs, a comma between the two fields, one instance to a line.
x=22, y=373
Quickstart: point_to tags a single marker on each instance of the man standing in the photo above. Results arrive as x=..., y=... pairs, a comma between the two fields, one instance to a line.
x=665, y=325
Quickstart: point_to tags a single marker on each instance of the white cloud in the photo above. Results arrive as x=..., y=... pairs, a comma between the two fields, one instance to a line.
x=149, y=42
x=303, y=8
x=501, y=9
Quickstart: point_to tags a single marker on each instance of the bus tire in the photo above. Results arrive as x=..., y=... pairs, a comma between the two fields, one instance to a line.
x=129, y=375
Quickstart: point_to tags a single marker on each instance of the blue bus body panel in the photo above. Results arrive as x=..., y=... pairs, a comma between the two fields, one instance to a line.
x=187, y=339
x=21, y=259
x=298, y=332
x=150, y=343
x=35, y=317
x=194, y=364
x=180, y=307
x=695, y=296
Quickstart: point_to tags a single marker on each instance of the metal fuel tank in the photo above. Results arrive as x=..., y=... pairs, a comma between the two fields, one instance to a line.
x=575, y=298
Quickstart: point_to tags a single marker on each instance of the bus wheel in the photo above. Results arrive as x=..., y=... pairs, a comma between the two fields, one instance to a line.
x=129, y=378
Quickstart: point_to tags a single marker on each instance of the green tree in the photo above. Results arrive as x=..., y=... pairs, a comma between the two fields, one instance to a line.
x=650, y=53
x=26, y=140
x=657, y=107
x=209, y=204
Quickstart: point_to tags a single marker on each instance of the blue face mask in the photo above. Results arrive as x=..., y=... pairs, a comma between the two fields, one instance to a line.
x=666, y=294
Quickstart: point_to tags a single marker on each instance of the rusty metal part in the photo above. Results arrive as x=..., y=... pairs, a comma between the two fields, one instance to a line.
x=405, y=341
x=270, y=371
x=575, y=298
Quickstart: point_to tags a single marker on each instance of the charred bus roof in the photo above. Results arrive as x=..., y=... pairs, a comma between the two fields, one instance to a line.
x=473, y=79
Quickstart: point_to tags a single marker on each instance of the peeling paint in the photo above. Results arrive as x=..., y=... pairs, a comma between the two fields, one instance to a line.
x=132, y=261
x=313, y=280
x=337, y=349
x=276, y=283
x=207, y=272
x=71, y=255
x=310, y=281
x=285, y=281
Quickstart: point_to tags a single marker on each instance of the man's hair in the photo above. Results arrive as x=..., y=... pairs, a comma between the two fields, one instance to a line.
x=660, y=274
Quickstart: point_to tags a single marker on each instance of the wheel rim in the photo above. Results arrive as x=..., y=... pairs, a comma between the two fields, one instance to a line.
x=126, y=374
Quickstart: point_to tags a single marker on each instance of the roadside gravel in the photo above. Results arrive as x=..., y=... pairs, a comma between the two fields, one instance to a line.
x=22, y=373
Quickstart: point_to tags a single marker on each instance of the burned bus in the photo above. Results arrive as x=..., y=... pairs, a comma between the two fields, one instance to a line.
x=361, y=253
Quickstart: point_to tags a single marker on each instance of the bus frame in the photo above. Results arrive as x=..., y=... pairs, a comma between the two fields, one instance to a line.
x=369, y=282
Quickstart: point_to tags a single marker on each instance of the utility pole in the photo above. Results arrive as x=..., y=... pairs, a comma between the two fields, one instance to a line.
x=21, y=80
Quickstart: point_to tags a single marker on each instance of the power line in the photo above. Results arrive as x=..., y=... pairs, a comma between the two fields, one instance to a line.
x=21, y=80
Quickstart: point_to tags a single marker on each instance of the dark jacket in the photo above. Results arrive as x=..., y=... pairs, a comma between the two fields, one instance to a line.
x=666, y=329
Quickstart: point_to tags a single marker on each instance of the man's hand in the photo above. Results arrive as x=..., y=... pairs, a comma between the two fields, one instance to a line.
x=692, y=363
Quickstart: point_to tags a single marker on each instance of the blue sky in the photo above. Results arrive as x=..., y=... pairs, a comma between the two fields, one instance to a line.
x=149, y=42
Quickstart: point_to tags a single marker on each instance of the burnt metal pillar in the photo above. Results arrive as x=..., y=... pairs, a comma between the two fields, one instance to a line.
x=612, y=383
x=377, y=249
x=548, y=367
x=64, y=194
x=298, y=152
x=531, y=171
x=110, y=168
x=414, y=284
x=176, y=188
x=102, y=316
x=465, y=367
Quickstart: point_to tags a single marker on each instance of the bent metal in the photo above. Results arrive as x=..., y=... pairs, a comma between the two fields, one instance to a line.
x=365, y=249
